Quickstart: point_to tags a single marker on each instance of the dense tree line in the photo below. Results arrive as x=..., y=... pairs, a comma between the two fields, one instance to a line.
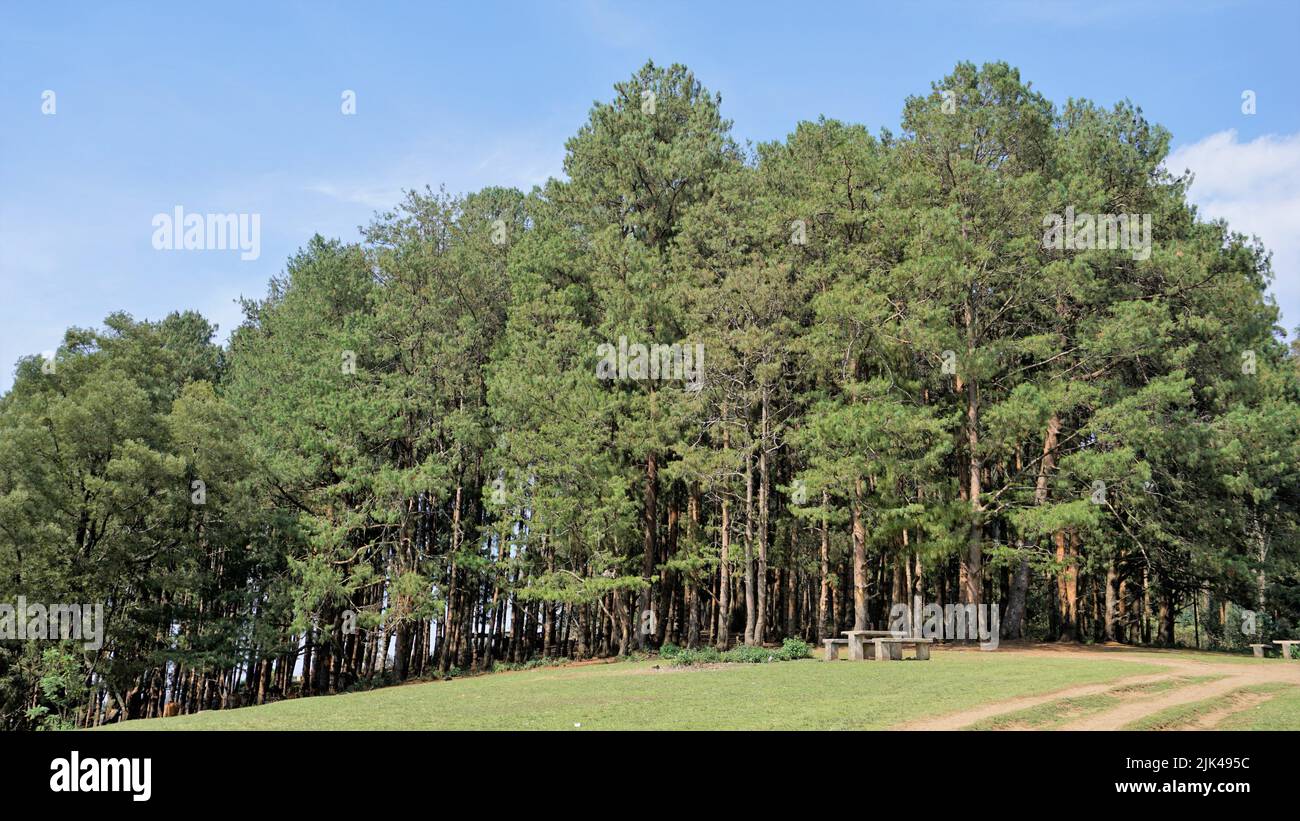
x=408, y=461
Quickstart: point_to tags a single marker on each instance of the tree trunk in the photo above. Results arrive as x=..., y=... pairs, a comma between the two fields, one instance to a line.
x=1066, y=586
x=1122, y=618
x=650, y=524
x=792, y=586
x=973, y=560
x=668, y=578
x=1112, y=580
x=1168, y=610
x=824, y=594
x=751, y=615
x=1261, y=578
x=1013, y=624
x=724, y=581
x=760, y=572
x=859, y=561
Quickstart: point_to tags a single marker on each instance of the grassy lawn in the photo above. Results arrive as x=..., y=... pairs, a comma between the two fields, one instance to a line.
x=633, y=695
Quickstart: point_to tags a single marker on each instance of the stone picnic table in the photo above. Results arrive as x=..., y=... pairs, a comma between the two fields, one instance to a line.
x=877, y=645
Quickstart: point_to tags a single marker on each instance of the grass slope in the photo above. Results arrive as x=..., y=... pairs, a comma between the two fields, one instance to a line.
x=633, y=695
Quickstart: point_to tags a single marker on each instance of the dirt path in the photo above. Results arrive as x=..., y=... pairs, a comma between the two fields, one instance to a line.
x=1234, y=675
x=1234, y=678
x=1242, y=701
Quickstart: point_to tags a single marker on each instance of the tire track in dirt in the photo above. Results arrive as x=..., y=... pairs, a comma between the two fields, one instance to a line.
x=1235, y=675
x=1118, y=717
x=1240, y=702
x=964, y=718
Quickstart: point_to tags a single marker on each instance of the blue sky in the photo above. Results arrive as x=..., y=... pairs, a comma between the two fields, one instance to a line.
x=235, y=107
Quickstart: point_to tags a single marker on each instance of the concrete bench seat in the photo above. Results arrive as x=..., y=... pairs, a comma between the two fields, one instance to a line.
x=1259, y=650
x=891, y=648
x=1286, y=647
x=833, y=646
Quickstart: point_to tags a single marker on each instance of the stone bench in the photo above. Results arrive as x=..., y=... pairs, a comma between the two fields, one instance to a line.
x=1259, y=650
x=891, y=649
x=1286, y=646
x=832, y=648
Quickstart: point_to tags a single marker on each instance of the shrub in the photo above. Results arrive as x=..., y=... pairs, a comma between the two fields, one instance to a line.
x=530, y=664
x=750, y=654
x=793, y=649
x=703, y=655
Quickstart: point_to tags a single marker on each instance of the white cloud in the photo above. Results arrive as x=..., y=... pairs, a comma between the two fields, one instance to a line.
x=1255, y=186
x=370, y=196
x=462, y=166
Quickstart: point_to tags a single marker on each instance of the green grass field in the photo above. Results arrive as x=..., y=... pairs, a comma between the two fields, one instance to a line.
x=634, y=695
